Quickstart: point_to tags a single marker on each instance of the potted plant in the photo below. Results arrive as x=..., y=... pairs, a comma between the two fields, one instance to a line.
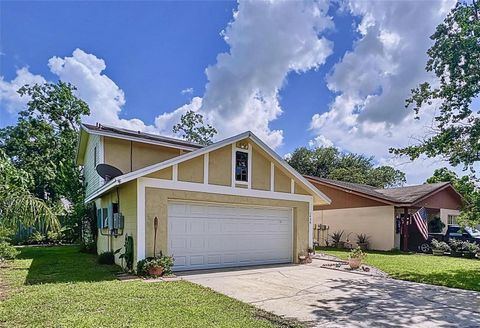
x=470, y=249
x=155, y=266
x=311, y=254
x=362, y=241
x=302, y=257
x=355, y=258
x=439, y=247
x=456, y=247
x=336, y=239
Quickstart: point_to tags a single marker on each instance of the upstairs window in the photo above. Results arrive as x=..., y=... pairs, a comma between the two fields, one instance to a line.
x=241, y=166
x=95, y=157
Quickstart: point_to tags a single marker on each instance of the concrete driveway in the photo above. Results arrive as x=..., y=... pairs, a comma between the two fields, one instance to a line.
x=330, y=298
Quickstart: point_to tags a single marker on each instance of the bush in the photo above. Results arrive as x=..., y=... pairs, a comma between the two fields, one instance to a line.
x=7, y=251
x=456, y=245
x=106, y=258
x=37, y=238
x=166, y=262
x=470, y=247
x=436, y=225
x=88, y=247
x=440, y=245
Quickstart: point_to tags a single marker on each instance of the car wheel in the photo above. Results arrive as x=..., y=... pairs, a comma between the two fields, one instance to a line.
x=425, y=248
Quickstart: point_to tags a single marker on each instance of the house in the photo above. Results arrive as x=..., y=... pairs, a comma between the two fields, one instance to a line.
x=358, y=208
x=232, y=203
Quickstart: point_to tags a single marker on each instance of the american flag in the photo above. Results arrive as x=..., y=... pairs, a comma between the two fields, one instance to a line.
x=420, y=218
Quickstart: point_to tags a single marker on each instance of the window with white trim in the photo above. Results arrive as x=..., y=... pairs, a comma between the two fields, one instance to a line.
x=452, y=219
x=241, y=166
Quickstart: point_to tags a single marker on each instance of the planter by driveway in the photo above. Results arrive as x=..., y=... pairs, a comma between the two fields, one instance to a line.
x=331, y=298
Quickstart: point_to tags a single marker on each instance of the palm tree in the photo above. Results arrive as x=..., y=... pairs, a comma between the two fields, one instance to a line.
x=17, y=204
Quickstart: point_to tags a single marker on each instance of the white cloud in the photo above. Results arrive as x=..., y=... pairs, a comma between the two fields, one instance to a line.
x=103, y=96
x=373, y=80
x=10, y=100
x=187, y=91
x=266, y=40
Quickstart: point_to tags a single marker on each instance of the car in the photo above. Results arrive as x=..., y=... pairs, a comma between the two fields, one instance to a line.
x=453, y=232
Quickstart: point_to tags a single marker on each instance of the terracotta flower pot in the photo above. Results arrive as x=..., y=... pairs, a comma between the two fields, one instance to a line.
x=354, y=263
x=155, y=271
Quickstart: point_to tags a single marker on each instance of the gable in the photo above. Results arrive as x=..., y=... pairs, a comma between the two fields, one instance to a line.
x=446, y=198
x=215, y=165
x=342, y=198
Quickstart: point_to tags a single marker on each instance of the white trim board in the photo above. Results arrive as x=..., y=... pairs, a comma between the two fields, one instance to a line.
x=156, y=167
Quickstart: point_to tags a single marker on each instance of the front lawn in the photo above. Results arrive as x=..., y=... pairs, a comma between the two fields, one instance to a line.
x=429, y=269
x=60, y=287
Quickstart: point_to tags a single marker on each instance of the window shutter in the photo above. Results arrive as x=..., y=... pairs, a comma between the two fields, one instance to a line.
x=99, y=218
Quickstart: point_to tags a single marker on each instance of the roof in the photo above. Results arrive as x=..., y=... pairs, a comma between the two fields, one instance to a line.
x=408, y=195
x=124, y=133
x=159, y=166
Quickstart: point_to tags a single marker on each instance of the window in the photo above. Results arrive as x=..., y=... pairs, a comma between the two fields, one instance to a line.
x=95, y=157
x=452, y=219
x=241, y=166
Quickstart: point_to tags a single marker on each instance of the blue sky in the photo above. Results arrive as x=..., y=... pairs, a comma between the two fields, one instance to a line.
x=296, y=73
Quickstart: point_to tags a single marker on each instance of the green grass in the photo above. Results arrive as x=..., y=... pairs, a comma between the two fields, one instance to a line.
x=60, y=287
x=429, y=269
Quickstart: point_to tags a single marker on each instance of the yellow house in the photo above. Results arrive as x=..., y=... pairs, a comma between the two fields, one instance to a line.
x=232, y=203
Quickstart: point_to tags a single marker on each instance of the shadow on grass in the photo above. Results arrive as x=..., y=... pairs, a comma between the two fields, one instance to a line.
x=61, y=264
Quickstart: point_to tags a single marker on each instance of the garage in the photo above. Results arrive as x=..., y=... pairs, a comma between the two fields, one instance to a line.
x=209, y=235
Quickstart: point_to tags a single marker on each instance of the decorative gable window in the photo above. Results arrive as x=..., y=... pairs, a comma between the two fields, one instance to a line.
x=241, y=166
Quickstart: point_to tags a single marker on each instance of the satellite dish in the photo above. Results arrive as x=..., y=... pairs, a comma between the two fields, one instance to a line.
x=108, y=172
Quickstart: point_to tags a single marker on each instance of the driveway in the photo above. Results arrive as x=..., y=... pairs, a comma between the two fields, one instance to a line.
x=330, y=298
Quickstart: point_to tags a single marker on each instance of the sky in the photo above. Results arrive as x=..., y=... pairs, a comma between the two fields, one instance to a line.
x=296, y=73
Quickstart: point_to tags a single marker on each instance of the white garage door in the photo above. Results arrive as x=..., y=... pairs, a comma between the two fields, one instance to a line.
x=202, y=235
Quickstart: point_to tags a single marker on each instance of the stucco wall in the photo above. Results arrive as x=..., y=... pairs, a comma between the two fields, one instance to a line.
x=261, y=170
x=191, y=170
x=128, y=207
x=220, y=166
x=130, y=156
x=378, y=222
x=157, y=206
x=282, y=182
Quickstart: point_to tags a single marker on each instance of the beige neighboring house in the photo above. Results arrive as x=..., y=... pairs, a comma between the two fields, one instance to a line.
x=357, y=208
x=232, y=203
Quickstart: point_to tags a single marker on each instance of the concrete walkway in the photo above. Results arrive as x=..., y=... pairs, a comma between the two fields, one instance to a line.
x=330, y=298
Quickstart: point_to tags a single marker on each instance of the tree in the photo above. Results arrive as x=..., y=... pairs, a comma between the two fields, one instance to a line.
x=17, y=204
x=192, y=128
x=329, y=162
x=44, y=140
x=467, y=189
x=454, y=58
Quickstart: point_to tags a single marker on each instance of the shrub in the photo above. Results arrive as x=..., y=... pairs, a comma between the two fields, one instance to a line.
x=106, y=258
x=456, y=245
x=54, y=237
x=166, y=262
x=362, y=238
x=436, y=225
x=357, y=253
x=88, y=247
x=37, y=238
x=470, y=247
x=336, y=237
x=7, y=251
x=440, y=245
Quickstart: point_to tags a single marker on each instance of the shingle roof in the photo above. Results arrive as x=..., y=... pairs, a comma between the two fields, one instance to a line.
x=411, y=193
x=398, y=195
x=141, y=135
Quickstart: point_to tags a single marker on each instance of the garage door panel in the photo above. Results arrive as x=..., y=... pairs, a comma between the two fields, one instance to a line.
x=213, y=236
